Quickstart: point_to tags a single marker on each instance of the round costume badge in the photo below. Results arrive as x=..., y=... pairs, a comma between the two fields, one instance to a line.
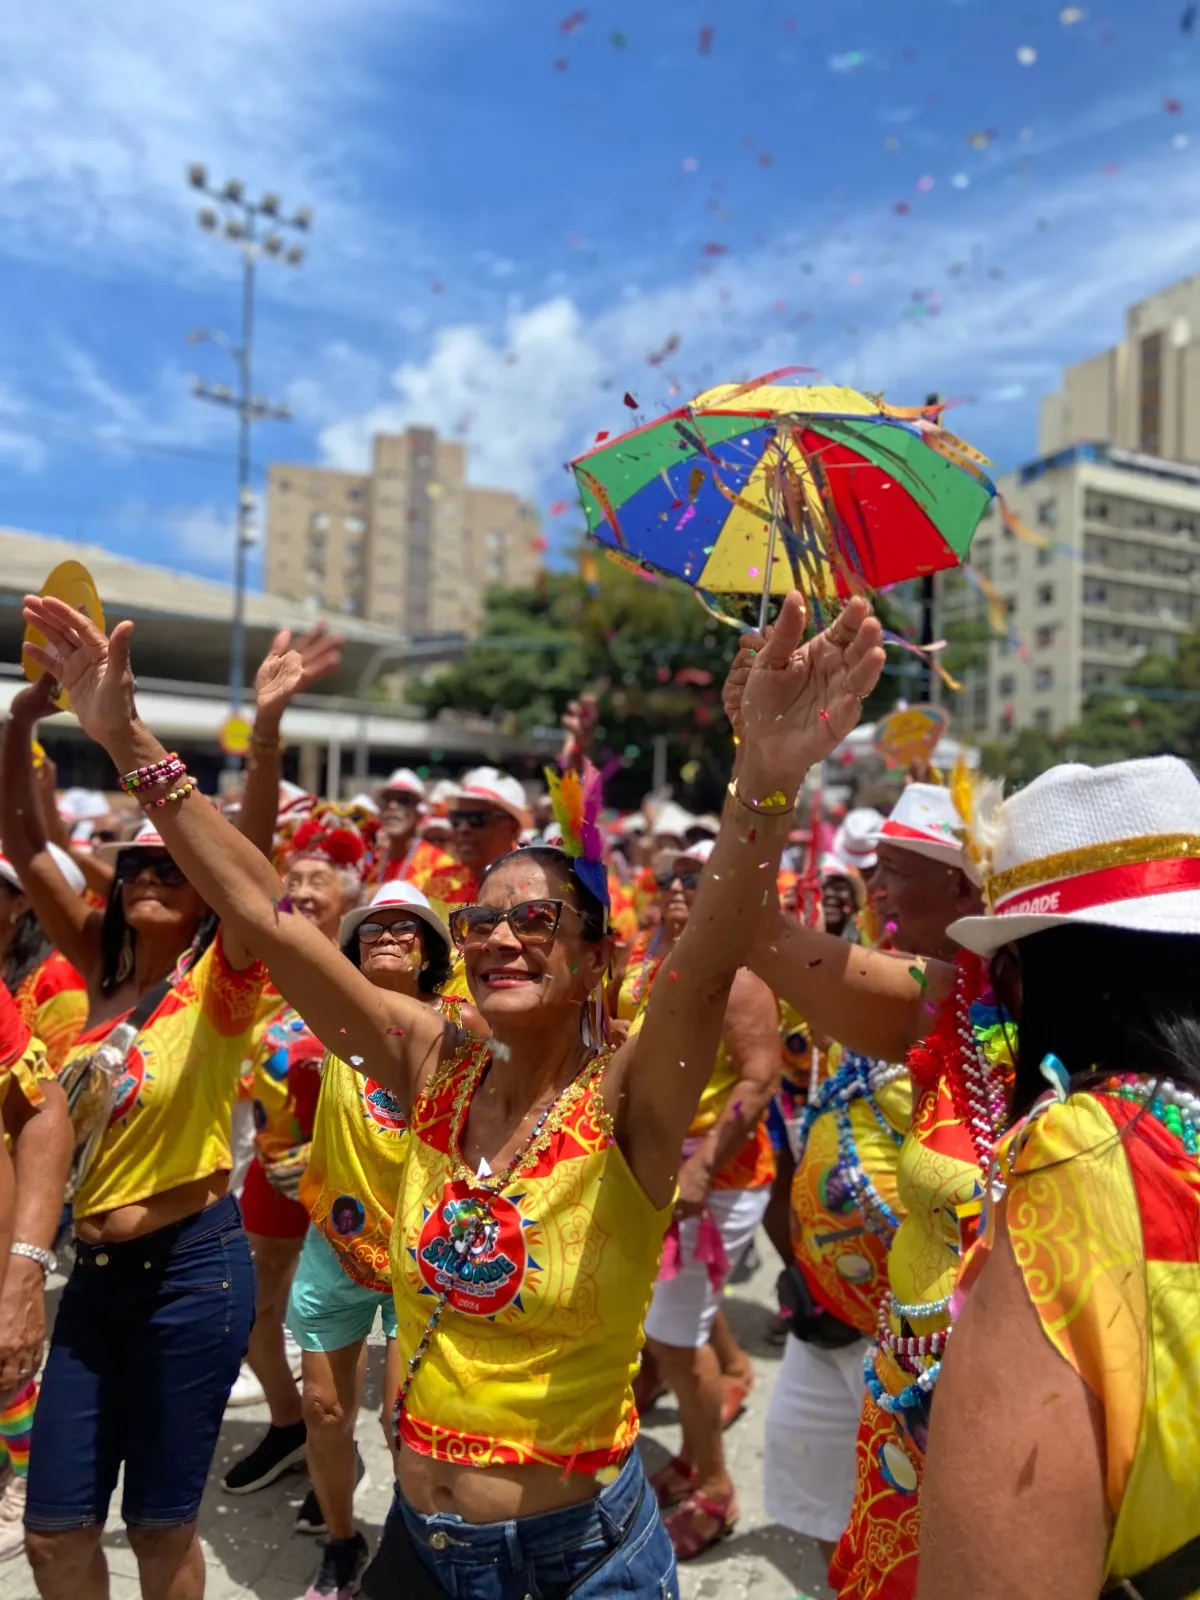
x=128, y=1085
x=472, y=1244
x=347, y=1216
x=897, y=1468
x=385, y=1111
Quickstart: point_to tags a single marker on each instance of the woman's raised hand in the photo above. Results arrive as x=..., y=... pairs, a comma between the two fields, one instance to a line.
x=94, y=670
x=799, y=699
x=289, y=667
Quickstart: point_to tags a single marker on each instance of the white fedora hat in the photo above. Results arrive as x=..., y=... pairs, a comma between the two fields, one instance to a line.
x=495, y=788
x=1117, y=847
x=396, y=893
x=855, y=839
x=925, y=820
x=403, y=781
x=146, y=838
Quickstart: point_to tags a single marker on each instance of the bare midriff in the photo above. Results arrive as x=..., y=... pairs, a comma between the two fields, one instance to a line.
x=141, y=1217
x=489, y=1494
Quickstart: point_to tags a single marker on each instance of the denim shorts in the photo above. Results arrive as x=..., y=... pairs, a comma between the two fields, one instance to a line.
x=327, y=1310
x=147, y=1343
x=611, y=1548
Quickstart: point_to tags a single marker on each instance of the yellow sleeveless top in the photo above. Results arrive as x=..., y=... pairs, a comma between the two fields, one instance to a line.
x=543, y=1285
x=1103, y=1211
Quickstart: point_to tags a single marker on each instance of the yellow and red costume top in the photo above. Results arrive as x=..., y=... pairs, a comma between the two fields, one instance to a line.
x=1103, y=1213
x=53, y=1001
x=22, y=1055
x=544, y=1283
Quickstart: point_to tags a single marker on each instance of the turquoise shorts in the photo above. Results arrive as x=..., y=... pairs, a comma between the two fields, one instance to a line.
x=327, y=1310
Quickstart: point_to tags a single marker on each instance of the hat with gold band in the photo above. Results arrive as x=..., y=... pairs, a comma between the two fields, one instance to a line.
x=1115, y=846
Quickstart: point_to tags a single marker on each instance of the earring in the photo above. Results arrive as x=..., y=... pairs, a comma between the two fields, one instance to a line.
x=424, y=966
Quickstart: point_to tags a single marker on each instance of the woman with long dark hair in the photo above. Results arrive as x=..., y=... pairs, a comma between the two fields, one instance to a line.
x=154, y=1320
x=541, y=1168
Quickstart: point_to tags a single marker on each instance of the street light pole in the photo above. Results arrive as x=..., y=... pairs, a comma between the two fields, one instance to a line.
x=241, y=219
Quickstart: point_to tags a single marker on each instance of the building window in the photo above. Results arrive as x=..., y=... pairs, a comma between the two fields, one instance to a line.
x=318, y=522
x=1150, y=395
x=354, y=495
x=354, y=525
x=1006, y=686
x=1045, y=594
x=283, y=485
x=495, y=541
x=1095, y=507
x=1043, y=678
x=1046, y=556
x=1047, y=514
x=1045, y=636
x=1041, y=719
x=495, y=567
x=1008, y=565
x=1095, y=594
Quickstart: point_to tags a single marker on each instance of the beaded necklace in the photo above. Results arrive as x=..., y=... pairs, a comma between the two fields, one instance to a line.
x=1177, y=1109
x=492, y=1183
x=857, y=1078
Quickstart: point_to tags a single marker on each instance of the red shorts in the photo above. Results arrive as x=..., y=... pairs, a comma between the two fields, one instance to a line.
x=267, y=1212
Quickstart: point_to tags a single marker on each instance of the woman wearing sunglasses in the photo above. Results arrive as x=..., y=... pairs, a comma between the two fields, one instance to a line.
x=154, y=1320
x=542, y=1166
x=725, y=1173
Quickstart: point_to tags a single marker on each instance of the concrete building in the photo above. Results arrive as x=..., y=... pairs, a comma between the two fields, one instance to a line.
x=1119, y=578
x=1144, y=393
x=181, y=653
x=409, y=546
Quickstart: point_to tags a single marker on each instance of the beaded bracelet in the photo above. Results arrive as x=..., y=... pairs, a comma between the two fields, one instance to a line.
x=158, y=772
x=186, y=788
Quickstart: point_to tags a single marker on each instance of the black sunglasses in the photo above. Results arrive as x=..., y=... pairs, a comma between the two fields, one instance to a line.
x=533, y=921
x=477, y=820
x=132, y=863
x=402, y=928
x=688, y=879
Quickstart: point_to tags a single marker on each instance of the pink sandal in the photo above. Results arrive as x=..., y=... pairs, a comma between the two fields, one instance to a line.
x=672, y=1483
x=687, y=1538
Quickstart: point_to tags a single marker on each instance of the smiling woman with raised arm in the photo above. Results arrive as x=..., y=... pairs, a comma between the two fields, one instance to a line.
x=542, y=1165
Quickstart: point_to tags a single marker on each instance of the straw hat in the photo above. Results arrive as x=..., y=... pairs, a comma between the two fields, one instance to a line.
x=1116, y=847
x=925, y=821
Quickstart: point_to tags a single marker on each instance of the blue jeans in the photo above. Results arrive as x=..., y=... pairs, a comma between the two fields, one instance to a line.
x=147, y=1344
x=614, y=1547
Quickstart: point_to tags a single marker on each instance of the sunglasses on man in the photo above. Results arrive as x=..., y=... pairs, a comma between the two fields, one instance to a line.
x=686, y=880
x=132, y=863
x=534, y=922
x=477, y=820
x=404, y=928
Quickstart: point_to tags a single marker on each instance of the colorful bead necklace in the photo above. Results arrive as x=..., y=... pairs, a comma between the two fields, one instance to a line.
x=1177, y=1109
x=857, y=1078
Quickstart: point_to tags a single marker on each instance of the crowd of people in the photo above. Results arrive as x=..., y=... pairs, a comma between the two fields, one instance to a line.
x=521, y=1085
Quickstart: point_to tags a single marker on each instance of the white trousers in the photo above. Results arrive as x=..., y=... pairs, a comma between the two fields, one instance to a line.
x=683, y=1310
x=812, y=1426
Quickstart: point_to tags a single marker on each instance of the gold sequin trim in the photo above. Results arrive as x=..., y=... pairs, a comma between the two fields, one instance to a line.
x=1092, y=858
x=566, y=1102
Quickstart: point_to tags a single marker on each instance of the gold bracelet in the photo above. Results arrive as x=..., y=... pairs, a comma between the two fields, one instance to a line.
x=265, y=745
x=775, y=805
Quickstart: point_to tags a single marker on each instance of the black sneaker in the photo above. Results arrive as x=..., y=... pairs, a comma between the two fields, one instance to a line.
x=310, y=1518
x=277, y=1452
x=343, y=1562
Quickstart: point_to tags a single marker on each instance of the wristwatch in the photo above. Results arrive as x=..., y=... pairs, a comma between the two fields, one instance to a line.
x=46, y=1259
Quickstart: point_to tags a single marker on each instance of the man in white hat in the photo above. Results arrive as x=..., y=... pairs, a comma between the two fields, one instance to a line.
x=813, y=1418
x=855, y=840
x=487, y=812
x=401, y=805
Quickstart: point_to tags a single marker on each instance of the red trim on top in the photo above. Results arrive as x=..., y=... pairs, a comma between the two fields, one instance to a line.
x=900, y=830
x=1061, y=896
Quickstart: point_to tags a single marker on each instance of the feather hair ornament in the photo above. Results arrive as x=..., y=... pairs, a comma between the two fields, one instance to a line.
x=576, y=802
x=979, y=802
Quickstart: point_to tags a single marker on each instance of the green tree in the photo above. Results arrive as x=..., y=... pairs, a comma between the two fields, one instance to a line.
x=647, y=649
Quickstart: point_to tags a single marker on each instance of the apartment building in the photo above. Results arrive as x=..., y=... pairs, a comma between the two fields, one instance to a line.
x=1143, y=394
x=1118, y=576
x=409, y=546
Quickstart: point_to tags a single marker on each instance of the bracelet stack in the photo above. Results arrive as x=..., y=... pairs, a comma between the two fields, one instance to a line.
x=165, y=774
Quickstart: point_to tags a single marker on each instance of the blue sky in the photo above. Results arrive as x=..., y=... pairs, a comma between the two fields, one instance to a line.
x=513, y=216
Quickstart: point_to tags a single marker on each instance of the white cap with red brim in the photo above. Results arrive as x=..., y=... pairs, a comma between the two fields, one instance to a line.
x=925, y=820
x=394, y=894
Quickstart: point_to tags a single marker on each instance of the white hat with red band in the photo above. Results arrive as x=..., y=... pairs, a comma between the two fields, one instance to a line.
x=855, y=839
x=403, y=781
x=925, y=820
x=1117, y=847
x=146, y=838
x=396, y=893
x=69, y=869
x=493, y=788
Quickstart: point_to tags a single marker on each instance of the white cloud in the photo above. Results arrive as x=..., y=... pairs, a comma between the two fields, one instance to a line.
x=532, y=389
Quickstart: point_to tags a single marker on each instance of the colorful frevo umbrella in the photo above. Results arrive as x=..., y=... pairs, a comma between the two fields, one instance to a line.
x=763, y=487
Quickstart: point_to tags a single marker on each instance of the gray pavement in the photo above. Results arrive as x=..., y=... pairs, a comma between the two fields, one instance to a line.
x=251, y=1549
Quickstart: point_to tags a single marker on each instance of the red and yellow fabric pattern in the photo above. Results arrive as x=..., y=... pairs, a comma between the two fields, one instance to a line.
x=1103, y=1211
x=547, y=1284
x=53, y=1001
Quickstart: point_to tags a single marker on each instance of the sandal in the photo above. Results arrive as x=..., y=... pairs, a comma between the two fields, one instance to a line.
x=683, y=1525
x=734, y=1394
x=673, y=1483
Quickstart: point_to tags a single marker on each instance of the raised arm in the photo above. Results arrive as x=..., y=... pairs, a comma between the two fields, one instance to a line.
x=876, y=1004
x=287, y=669
x=70, y=924
x=800, y=700
x=396, y=1037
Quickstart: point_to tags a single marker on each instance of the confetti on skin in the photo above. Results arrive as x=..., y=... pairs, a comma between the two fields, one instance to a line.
x=815, y=963
x=397, y=1033
x=823, y=714
x=356, y=1061
x=915, y=972
x=500, y=1052
x=672, y=977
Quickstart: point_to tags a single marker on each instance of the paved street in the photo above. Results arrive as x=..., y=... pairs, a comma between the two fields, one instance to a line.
x=251, y=1548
